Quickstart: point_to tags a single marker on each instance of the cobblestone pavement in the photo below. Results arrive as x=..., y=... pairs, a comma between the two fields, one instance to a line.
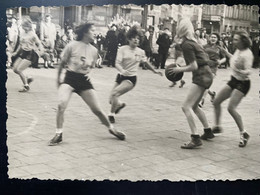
x=152, y=120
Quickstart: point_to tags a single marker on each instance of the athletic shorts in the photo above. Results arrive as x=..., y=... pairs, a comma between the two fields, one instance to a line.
x=28, y=55
x=202, y=77
x=120, y=78
x=242, y=86
x=79, y=82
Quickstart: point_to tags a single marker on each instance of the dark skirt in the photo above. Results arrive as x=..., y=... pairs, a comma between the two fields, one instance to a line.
x=202, y=77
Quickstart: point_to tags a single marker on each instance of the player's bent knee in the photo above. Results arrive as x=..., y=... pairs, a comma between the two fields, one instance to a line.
x=230, y=109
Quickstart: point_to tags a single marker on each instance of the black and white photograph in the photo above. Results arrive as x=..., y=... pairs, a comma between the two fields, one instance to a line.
x=133, y=92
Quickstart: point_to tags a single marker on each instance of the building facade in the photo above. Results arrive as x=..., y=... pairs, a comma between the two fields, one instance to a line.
x=223, y=18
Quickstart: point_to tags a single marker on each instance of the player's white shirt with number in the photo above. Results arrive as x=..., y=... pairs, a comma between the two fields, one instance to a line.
x=129, y=59
x=79, y=56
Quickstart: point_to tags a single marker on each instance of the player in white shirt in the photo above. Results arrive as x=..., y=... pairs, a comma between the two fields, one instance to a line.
x=29, y=44
x=127, y=62
x=239, y=85
x=79, y=57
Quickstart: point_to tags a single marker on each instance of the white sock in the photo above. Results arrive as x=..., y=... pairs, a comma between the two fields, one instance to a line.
x=112, y=114
x=59, y=130
x=111, y=127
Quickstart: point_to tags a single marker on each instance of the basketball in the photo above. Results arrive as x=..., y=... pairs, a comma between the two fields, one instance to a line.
x=174, y=76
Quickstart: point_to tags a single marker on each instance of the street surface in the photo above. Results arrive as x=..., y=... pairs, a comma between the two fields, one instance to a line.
x=152, y=120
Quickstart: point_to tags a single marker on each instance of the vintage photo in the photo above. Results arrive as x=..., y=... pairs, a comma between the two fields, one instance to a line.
x=133, y=92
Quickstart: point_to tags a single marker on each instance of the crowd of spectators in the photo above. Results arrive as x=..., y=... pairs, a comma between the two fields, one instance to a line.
x=154, y=42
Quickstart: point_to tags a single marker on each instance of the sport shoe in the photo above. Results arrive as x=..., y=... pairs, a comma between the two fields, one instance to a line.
x=244, y=139
x=118, y=134
x=120, y=107
x=182, y=83
x=111, y=119
x=217, y=130
x=57, y=139
x=207, y=134
x=195, y=142
x=24, y=89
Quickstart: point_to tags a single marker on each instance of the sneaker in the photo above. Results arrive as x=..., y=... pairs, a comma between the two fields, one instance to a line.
x=195, y=142
x=244, y=139
x=207, y=134
x=212, y=95
x=120, y=107
x=24, y=89
x=118, y=134
x=217, y=130
x=57, y=139
x=182, y=83
x=111, y=119
x=29, y=80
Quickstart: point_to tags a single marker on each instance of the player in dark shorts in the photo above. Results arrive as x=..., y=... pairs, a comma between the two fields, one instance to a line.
x=239, y=84
x=196, y=60
x=29, y=44
x=127, y=62
x=79, y=57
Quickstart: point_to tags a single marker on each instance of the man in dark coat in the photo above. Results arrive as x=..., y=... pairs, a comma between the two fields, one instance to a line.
x=111, y=43
x=255, y=50
x=164, y=41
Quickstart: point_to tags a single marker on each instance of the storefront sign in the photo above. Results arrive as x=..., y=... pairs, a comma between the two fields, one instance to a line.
x=215, y=18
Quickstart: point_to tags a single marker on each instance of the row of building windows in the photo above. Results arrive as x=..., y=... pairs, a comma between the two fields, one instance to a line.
x=232, y=28
x=244, y=13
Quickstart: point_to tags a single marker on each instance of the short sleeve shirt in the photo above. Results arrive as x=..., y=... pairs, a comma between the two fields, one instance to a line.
x=129, y=59
x=192, y=51
x=241, y=60
x=79, y=56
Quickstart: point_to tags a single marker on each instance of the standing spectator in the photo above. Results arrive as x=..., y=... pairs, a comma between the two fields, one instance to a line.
x=100, y=41
x=70, y=34
x=145, y=45
x=255, y=50
x=164, y=42
x=204, y=37
x=154, y=46
x=111, y=44
x=48, y=29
